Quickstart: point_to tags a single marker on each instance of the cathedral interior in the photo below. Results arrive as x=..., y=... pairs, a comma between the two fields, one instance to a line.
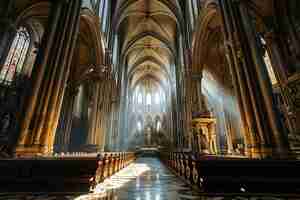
x=149, y=99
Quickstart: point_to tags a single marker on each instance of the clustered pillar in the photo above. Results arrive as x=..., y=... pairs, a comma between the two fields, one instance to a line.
x=100, y=114
x=53, y=64
x=264, y=134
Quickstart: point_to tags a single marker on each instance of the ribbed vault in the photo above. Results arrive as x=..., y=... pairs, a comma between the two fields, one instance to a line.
x=149, y=32
x=149, y=29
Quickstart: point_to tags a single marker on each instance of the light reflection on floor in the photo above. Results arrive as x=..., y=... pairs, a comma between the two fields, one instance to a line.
x=146, y=179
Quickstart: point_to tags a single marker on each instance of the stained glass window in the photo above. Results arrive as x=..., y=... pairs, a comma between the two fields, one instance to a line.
x=16, y=57
x=148, y=99
x=140, y=98
x=191, y=12
x=139, y=126
x=158, y=126
x=157, y=98
x=104, y=15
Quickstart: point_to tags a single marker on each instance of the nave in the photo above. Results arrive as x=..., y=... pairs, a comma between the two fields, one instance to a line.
x=145, y=179
x=213, y=86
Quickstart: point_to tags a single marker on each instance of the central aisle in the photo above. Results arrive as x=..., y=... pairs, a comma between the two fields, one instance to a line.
x=145, y=179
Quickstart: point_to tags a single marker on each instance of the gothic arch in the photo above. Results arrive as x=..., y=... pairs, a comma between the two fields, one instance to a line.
x=146, y=34
x=150, y=59
x=209, y=64
x=171, y=5
x=199, y=44
x=39, y=11
x=87, y=17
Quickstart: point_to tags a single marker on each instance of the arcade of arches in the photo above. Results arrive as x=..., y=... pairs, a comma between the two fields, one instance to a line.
x=217, y=77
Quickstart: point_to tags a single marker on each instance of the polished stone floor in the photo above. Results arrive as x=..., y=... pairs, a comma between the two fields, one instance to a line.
x=146, y=179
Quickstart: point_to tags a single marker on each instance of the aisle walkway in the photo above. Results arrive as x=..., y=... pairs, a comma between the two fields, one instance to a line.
x=149, y=179
x=145, y=179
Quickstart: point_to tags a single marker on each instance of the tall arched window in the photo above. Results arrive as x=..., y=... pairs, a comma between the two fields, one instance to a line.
x=157, y=98
x=195, y=8
x=140, y=98
x=15, y=60
x=139, y=126
x=191, y=12
x=103, y=14
x=158, y=126
x=148, y=99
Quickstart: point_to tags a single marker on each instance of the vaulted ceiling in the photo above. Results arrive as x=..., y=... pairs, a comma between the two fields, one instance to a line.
x=148, y=30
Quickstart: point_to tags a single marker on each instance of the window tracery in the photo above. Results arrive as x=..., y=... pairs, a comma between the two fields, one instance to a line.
x=14, y=63
x=148, y=99
x=140, y=98
x=157, y=98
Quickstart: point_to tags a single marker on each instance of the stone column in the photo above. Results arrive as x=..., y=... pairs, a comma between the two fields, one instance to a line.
x=41, y=66
x=91, y=143
x=287, y=88
x=281, y=147
x=228, y=132
x=102, y=119
x=239, y=87
x=122, y=112
x=59, y=90
x=65, y=124
x=110, y=110
x=198, y=79
x=114, y=118
x=45, y=102
x=109, y=97
x=253, y=83
x=98, y=132
x=105, y=114
x=188, y=99
x=244, y=91
x=69, y=120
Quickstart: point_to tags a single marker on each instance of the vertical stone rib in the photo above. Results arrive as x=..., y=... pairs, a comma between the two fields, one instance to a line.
x=41, y=66
x=93, y=120
x=264, y=84
x=254, y=89
x=51, y=79
x=240, y=83
x=51, y=129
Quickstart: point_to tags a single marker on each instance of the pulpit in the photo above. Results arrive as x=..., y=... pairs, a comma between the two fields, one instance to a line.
x=205, y=134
